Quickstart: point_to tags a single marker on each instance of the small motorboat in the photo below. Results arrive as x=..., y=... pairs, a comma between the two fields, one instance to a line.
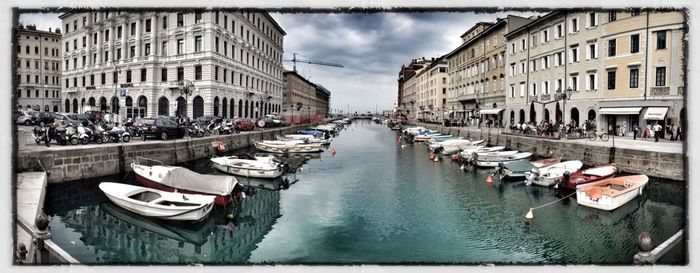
x=249, y=166
x=611, y=193
x=494, y=161
x=287, y=147
x=173, y=178
x=305, y=139
x=550, y=175
x=467, y=153
x=158, y=204
x=520, y=168
x=590, y=175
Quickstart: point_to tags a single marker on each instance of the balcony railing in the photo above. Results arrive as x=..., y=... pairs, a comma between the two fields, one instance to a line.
x=545, y=97
x=124, y=85
x=533, y=98
x=660, y=91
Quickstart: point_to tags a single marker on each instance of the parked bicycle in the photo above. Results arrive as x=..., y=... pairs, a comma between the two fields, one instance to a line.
x=593, y=135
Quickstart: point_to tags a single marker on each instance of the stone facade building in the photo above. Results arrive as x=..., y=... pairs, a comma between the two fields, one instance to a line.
x=431, y=91
x=406, y=100
x=593, y=66
x=139, y=64
x=38, y=69
x=303, y=99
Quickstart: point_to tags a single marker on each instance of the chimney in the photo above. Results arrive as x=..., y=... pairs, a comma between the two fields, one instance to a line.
x=49, y=29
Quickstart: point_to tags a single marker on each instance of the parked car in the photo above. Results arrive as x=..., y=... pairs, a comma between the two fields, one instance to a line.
x=82, y=118
x=161, y=127
x=43, y=118
x=23, y=117
x=244, y=124
x=93, y=116
x=271, y=121
x=206, y=119
x=73, y=119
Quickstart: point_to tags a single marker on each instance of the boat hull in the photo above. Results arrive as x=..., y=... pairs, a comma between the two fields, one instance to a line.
x=196, y=212
x=248, y=172
x=606, y=202
x=282, y=149
x=219, y=200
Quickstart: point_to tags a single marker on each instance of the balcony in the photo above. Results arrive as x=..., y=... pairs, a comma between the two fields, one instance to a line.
x=660, y=91
x=125, y=85
x=532, y=98
x=545, y=97
x=92, y=87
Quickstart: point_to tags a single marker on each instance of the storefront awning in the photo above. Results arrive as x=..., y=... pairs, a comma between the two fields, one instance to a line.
x=494, y=111
x=655, y=113
x=620, y=111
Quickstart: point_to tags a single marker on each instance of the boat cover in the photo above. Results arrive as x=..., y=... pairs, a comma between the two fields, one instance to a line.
x=600, y=171
x=182, y=178
x=519, y=166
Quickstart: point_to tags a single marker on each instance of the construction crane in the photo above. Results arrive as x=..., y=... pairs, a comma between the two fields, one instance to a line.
x=310, y=61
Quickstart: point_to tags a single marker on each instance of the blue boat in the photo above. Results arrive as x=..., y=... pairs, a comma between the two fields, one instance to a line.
x=316, y=134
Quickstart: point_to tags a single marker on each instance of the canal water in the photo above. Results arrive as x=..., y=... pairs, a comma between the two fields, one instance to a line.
x=373, y=202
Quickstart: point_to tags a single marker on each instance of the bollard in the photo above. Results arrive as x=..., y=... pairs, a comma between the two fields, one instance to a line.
x=645, y=245
x=41, y=254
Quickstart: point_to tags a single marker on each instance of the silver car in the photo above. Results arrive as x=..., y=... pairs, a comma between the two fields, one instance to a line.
x=23, y=117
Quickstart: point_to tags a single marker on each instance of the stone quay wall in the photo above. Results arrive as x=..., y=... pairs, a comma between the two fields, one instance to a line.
x=654, y=164
x=83, y=162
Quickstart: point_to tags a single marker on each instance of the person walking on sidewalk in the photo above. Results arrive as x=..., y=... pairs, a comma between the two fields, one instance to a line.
x=679, y=133
x=657, y=131
x=635, y=129
x=671, y=131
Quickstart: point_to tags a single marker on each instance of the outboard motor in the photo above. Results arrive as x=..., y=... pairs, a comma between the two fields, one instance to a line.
x=531, y=176
x=565, y=177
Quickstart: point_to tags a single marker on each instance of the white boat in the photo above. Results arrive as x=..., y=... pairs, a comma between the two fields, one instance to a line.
x=287, y=147
x=494, y=161
x=450, y=147
x=467, y=153
x=550, y=175
x=305, y=139
x=249, y=166
x=159, y=204
x=611, y=193
x=173, y=178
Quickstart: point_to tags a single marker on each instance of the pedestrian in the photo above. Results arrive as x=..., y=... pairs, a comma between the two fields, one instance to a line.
x=671, y=130
x=679, y=133
x=657, y=131
x=635, y=129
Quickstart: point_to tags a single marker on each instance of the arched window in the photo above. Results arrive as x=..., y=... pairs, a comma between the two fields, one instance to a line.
x=257, y=109
x=67, y=105
x=103, y=104
x=522, y=116
x=143, y=106
x=224, y=108
x=129, y=104
x=533, y=114
x=55, y=108
x=197, y=107
x=246, y=109
x=216, y=106
x=91, y=101
x=232, y=113
x=115, y=105
x=75, y=105
x=163, y=106
x=181, y=107
x=574, y=115
x=240, y=108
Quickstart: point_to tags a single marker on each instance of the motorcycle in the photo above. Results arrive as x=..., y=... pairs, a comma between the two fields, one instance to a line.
x=41, y=135
x=132, y=128
x=226, y=128
x=195, y=130
x=118, y=132
x=67, y=134
x=94, y=135
x=84, y=134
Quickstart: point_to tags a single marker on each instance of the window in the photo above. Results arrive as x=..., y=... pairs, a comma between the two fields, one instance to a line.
x=661, y=39
x=512, y=69
x=143, y=74
x=634, y=77
x=574, y=25
x=115, y=77
x=148, y=25
x=216, y=44
x=560, y=58
x=119, y=32
x=612, y=47
x=164, y=50
x=132, y=31
x=197, y=44
x=106, y=35
x=197, y=17
x=592, y=19
x=592, y=82
x=661, y=76
x=103, y=78
x=119, y=54
x=128, y=76
x=180, y=46
x=216, y=73
x=592, y=48
x=75, y=46
x=94, y=38
x=225, y=48
x=560, y=31
x=75, y=24
x=545, y=87
x=147, y=49
x=611, y=79
x=164, y=75
x=574, y=54
x=92, y=79
x=634, y=12
x=634, y=43
x=84, y=44
x=612, y=16
x=559, y=85
x=545, y=36
x=165, y=22
x=198, y=72
x=132, y=51
x=522, y=44
x=512, y=91
x=512, y=48
x=180, y=20
x=522, y=89
x=180, y=74
x=534, y=89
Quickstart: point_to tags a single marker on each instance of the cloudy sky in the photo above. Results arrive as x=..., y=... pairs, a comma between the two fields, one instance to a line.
x=371, y=47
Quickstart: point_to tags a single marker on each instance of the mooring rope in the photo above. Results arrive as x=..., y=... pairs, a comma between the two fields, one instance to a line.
x=529, y=215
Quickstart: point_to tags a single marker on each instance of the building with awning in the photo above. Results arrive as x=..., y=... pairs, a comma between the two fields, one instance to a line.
x=494, y=111
x=620, y=111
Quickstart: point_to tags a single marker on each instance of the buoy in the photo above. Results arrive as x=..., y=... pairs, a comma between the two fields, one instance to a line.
x=333, y=151
x=436, y=159
x=222, y=146
x=229, y=216
x=398, y=140
x=529, y=215
x=489, y=179
x=461, y=167
x=454, y=157
x=403, y=146
x=431, y=157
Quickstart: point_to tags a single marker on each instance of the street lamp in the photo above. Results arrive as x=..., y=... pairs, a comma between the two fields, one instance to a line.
x=566, y=95
x=185, y=87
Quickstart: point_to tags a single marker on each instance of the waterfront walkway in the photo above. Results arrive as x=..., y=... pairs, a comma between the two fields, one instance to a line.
x=648, y=144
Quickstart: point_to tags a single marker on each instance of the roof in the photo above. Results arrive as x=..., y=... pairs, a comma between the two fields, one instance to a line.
x=475, y=26
x=294, y=73
x=492, y=27
x=323, y=89
x=532, y=23
x=37, y=32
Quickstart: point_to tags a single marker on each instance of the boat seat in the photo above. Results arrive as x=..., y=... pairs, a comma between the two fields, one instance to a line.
x=145, y=196
x=596, y=193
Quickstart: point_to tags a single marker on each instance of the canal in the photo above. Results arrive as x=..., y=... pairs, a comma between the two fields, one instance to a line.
x=373, y=202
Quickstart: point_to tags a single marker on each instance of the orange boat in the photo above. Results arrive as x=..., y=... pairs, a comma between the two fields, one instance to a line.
x=611, y=193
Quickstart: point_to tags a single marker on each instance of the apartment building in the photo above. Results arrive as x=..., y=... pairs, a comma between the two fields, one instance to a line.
x=431, y=91
x=303, y=99
x=406, y=100
x=476, y=86
x=144, y=63
x=593, y=66
x=38, y=71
